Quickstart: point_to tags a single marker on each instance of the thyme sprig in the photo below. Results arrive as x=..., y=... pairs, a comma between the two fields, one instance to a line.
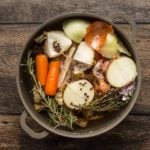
x=109, y=102
x=58, y=115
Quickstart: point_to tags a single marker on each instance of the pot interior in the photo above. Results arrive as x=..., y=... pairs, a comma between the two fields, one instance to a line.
x=25, y=85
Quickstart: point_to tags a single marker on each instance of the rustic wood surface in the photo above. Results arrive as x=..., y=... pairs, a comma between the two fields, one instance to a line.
x=18, y=18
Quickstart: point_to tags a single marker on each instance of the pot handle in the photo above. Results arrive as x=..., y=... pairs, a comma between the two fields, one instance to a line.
x=130, y=21
x=28, y=130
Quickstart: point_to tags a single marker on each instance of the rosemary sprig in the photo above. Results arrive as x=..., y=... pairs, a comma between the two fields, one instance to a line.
x=109, y=102
x=58, y=115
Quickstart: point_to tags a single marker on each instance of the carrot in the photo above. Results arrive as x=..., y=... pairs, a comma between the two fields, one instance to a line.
x=104, y=87
x=52, y=78
x=41, y=68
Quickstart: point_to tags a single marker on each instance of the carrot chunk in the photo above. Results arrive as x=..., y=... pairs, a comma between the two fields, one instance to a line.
x=41, y=68
x=52, y=78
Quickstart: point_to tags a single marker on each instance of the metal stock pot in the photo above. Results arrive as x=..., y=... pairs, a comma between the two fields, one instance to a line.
x=95, y=128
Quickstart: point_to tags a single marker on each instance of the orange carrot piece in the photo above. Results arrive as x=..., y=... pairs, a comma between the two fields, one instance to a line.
x=41, y=68
x=52, y=78
x=104, y=87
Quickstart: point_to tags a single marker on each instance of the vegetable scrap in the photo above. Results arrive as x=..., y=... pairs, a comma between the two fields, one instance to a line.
x=83, y=72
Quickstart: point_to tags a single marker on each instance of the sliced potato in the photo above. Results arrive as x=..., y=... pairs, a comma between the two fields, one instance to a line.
x=75, y=29
x=78, y=93
x=84, y=54
x=121, y=72
x=56, y=43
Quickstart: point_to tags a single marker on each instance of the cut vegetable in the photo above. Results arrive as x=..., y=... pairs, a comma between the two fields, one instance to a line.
x=110, y=48
x=113, y=46
x=111, y=39
x=104, y=87
x=41, y=61
x=52, y=78
x=78, y=93
x=121, y=72
x=96, y=34
x=75, y=29
x=122, y=49
x=109, y=52
x=56, y=43
x=84, y=54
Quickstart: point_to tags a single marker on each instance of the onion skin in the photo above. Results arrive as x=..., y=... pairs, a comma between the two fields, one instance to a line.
x=96, y=34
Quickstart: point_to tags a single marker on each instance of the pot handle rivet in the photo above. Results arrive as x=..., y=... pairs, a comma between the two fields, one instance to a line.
x=28, y=130
x=129, y=20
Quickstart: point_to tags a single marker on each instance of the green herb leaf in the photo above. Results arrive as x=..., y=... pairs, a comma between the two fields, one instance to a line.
x=58, y=115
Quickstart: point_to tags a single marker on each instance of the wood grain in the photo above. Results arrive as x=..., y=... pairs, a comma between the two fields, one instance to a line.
x=133, y=133
x=37, y=11
x=12, y=40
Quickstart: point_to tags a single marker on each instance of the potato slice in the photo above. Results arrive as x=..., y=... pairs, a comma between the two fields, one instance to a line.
x=121, y=72
x=78, y=93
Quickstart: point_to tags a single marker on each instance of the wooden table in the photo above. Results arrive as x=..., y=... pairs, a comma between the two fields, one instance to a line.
x=18, y=19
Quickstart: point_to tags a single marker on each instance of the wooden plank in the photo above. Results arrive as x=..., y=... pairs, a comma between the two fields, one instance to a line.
x=37, y=11
x=131, y=134
x=12, y=40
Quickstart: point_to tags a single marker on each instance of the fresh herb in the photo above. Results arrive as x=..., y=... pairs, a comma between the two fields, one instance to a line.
x=109, y=102
x=58, y=115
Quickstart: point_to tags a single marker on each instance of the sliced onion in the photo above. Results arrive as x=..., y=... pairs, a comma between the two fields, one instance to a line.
x=96, y=34
x=60, y=38
x=84, y=54
x=121, y=72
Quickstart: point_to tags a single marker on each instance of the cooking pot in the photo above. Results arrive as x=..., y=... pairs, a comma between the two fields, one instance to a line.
x=97, y=127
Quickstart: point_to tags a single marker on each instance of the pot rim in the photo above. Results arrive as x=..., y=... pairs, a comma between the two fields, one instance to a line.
x=69, y=133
